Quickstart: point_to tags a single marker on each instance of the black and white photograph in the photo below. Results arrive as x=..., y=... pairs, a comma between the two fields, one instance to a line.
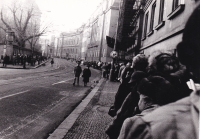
x=99, y=69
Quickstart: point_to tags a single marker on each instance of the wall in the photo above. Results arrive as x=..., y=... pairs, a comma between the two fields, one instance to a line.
x=169, y=35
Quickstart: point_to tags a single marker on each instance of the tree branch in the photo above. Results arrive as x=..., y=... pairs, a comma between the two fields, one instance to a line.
x=29, y=15
x=5, y=23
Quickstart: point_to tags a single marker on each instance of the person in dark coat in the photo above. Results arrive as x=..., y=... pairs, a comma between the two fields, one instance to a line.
x=52, y=62
x=24, y=61
x=104, y=70
x=86, y=75
x=77, y=72
x=128, y=100
x=139, y=63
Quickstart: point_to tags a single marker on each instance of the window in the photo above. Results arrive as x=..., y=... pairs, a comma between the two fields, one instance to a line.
x=175, y=4
x=152, y=17
x=145, y=25
x=177, y=7
x=161, y=12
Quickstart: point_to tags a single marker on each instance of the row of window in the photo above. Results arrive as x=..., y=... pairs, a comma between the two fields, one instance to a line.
x=96, y=53
x=71, y=42
x=72, y=50
x=93, y=54
x=175, y=5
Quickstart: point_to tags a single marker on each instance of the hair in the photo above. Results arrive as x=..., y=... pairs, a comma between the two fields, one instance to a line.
x=140, y=62
x=158, y=61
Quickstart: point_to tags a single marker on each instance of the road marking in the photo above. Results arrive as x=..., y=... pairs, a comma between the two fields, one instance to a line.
x=14, y=94
x=62, y=81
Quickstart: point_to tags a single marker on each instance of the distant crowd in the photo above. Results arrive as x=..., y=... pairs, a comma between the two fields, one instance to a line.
x=21, y=59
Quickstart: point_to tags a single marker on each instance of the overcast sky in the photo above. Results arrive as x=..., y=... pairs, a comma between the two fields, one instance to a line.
x=67, y=15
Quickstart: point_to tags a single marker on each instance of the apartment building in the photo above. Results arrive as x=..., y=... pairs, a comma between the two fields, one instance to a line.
x=102, y=23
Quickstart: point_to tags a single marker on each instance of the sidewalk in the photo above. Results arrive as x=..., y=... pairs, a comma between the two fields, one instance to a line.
x=10, y=66
x=90, y=119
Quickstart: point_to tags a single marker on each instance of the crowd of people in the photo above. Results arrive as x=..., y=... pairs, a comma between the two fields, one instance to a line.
x=22, y=59
x=157, y=97
x=105, y=68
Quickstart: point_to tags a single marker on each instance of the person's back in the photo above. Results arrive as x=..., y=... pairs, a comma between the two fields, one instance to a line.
x=77, y=72
x=52, y=62
x=86, y=75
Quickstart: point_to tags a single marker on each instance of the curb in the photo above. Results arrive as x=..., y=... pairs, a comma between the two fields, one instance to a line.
x=64, y=127
x=39, y=65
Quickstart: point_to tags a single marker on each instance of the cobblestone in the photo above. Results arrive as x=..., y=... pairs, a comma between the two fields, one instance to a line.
x=93, y=121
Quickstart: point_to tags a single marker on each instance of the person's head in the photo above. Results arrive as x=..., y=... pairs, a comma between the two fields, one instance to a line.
x=140, y=62
x=163, y=62
x=189, y=49
x=154, y=90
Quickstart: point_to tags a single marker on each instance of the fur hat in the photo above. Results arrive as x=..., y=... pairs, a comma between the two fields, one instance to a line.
x=137, y=76
x=163, y=62
x=157, y=88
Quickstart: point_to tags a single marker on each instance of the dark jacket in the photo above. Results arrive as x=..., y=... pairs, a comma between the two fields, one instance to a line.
x=77, y=71
x=86, y=75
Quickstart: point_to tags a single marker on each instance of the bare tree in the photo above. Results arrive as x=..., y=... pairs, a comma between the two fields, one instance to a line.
x=21, y=23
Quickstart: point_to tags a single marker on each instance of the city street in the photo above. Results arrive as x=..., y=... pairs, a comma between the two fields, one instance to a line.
x=33, y=102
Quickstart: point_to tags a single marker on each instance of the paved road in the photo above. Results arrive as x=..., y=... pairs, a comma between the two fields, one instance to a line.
x=34, y=102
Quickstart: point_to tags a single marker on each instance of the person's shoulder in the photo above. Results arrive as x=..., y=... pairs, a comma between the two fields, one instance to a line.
x=135, y=127
x=168, y=111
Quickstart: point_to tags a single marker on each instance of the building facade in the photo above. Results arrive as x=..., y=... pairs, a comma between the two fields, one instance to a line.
x=163, y=24
x=70, y=46
x=103, y=23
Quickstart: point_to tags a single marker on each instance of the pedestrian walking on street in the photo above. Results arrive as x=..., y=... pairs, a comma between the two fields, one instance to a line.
x=52, y=62
x=77, y=72
x=24, y=61
x=86, y=75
